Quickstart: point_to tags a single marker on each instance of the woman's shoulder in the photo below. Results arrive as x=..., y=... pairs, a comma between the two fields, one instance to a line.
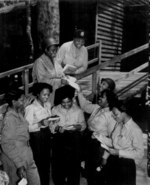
x=66, y=44
x=33, y=105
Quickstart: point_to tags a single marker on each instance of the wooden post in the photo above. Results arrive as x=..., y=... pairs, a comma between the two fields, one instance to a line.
x=95, y=75
x=25, y=79
x=100, y=52
x=28, y=29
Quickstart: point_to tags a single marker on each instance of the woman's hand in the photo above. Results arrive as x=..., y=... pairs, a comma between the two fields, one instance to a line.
x=28, y=100
x=64, y=81
x=21, y=172
x=114, y=151
x=45, y=122
x=61, y=129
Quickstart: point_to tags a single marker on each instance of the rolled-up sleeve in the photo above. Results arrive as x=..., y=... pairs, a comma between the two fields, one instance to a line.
x=29, y=116
x=86, y=105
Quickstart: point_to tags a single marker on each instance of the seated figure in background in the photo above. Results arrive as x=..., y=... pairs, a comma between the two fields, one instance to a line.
x=46, y=69
x=104, y=83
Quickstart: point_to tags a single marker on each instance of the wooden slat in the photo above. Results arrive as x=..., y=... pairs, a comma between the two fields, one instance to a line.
x=113, y=5
x=108, y=30
x=101, y=37
x=111, y=47
x=113, y=9
x=109, y=24
x=109, y=12
x=110, y=34
x=111, y=43
x=104, y=16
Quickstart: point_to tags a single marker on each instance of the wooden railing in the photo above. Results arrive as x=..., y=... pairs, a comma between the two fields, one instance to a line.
x=90, y=71
x=25, y=70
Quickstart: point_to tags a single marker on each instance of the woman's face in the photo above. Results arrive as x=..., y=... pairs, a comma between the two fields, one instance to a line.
x=102, y=101
x=78, y=42
x=19, y=104
x=44, y=95
x=103, y=86
x=51, y=51
x=66, y=103
x=118, y=115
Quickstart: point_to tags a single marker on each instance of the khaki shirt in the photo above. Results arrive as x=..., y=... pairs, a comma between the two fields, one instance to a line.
x=73, y=116
x=35, y=112
x=15, y=137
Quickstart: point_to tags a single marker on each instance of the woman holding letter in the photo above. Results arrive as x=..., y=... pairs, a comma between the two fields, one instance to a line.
x=37, y=115
x=126, y=150
x=67, y=138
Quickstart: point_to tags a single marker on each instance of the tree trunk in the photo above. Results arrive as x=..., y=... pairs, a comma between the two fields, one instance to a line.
x=48, y=19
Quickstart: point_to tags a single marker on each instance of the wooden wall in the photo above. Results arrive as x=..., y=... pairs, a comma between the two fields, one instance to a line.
x=109, y=27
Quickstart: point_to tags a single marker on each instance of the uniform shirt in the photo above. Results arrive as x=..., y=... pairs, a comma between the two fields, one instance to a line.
x=101, y=121
x=35, y=113
x=47, y=72
x=73, y=116
x=128, y=139
x=69, y=54
x=14, y=139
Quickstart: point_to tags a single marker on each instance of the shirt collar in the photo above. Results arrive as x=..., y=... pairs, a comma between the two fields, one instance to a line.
x=106, y=109
x=128, y=123
x=37, y=103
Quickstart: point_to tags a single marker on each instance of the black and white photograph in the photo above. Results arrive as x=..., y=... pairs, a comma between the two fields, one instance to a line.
x=74, y=92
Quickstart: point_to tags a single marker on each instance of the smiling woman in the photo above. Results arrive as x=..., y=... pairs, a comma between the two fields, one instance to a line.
x=37, y=115
x=67, y=138
x=17, y=157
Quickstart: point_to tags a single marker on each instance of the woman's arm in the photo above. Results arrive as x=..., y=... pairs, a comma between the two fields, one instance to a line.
x=86, y=105
x=29, y=116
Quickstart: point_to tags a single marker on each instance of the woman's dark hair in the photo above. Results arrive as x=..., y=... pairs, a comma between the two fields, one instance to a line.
x=13, y=94
x=38, y=87
x=123, y=106
x=111, y=97
x=63, y=92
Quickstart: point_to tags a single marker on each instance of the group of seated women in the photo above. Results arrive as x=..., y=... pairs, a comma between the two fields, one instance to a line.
x=36, y=135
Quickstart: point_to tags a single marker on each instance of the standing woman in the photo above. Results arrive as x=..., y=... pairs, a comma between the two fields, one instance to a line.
x=45, y=68
x=37, y=114
x=17, y=157
x=127, y=148
x=67, y=139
